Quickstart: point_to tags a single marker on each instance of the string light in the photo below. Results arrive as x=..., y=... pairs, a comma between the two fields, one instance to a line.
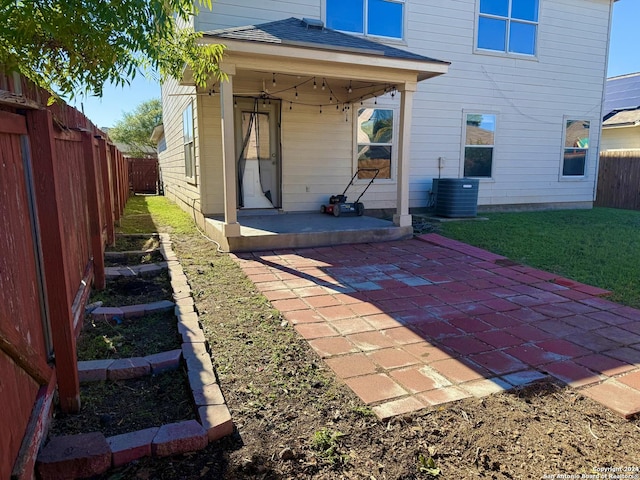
x=371, y=91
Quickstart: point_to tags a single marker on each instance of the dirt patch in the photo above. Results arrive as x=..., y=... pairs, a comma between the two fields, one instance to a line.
x=122, y=291
x=125, y=406
x=133, y=259
x=128, y=337
x=128, y=243
x=296, y=420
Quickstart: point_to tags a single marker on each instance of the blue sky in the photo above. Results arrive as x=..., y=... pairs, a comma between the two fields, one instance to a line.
x=623, y=58
x=623, y=52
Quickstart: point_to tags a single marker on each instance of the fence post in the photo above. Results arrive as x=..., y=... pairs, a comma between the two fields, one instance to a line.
x=115, y=177
x=93, y=206
x=107, y=189
x=41, y=134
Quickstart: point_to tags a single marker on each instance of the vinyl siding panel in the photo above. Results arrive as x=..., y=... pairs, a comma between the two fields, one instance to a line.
x=530, y=96
x=175, y=99
x=620, y=138
x=236, y=13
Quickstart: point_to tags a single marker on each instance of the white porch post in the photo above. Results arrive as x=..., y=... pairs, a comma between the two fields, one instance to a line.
x=231, y=227
x=402, y=217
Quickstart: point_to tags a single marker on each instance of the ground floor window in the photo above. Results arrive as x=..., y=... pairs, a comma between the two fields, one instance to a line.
x=187, y=139
x=375, y=142
x=576, y=147
x=479, y=142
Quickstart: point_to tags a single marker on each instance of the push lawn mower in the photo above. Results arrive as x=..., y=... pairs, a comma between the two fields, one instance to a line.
x=338, y=204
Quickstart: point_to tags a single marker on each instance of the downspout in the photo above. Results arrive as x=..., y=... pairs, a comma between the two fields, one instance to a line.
x=604, y=86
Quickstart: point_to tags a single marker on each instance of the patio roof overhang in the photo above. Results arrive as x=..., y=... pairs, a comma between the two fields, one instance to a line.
x=350, y=59
x=322, y=61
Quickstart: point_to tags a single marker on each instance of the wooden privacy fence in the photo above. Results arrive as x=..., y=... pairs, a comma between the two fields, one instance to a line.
x=143, y=175
x=619, y=180
x=62, y=187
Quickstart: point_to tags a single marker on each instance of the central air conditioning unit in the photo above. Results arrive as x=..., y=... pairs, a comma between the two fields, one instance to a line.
x=456, y=197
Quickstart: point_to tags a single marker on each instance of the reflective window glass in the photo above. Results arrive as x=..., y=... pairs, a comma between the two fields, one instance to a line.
x=492, y=33
x=525, y=10
x=385, y=18
x=495, y=7
x=346, y=15
x=522, y=38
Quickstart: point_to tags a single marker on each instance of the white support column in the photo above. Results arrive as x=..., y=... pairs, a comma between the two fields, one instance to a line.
x=231, y=226
x=402, y=217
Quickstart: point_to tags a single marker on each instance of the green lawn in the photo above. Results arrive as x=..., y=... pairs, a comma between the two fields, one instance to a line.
x=599, y=247
x=147, y=214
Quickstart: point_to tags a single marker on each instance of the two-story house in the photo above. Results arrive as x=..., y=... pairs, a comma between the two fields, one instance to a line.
x=506, y=91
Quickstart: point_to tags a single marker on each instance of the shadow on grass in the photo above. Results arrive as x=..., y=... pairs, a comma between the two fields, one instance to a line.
x=136, y=217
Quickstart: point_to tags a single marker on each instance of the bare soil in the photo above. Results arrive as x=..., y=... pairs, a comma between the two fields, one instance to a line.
x=128, y=337
x=133, y=242
x=129, y=259
x=128, y=405
x=294, y=419
x=122, y=291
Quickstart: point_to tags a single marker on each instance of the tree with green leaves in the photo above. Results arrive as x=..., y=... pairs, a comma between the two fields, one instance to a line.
x=76, y=46
x=135, y=128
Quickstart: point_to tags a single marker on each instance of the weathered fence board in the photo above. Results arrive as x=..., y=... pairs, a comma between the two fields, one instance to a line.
x=619, y=180
x=61, y=189
x=143, y=175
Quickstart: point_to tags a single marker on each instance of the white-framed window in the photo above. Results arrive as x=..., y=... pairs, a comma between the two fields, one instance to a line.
x=187, y=140
x=376, y=141
x=383, y=18
x=575, y=150
x=479, y=144
x=508, y=26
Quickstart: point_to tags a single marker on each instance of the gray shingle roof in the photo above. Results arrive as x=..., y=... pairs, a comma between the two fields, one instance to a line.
x=295, y=32
x=623, y=118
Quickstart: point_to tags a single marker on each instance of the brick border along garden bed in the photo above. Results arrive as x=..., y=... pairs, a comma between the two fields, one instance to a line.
x=91, y=453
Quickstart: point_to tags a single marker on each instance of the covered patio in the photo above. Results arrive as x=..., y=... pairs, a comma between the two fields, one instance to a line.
x=306, y=86
x=299, y=230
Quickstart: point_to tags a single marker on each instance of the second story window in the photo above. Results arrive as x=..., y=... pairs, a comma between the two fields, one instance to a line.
x=509, y=26
x=383, y=18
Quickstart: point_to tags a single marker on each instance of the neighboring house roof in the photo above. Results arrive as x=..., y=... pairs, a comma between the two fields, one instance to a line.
x=622, y=93
x=622, y=118
x=126, y=149
x=311, y=34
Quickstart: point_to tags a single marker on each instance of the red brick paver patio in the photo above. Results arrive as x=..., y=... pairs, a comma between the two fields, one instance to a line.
x=422, y=322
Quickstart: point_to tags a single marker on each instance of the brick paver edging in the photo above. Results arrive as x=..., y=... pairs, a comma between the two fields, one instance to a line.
x=89, y=454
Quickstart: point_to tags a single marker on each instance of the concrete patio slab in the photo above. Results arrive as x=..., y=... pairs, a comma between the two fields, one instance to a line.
x=415, y=323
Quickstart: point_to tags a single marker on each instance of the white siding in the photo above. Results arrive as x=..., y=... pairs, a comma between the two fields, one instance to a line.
x=620, y=138
x=175, y=98
x=531, y=97
x=236, y=13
